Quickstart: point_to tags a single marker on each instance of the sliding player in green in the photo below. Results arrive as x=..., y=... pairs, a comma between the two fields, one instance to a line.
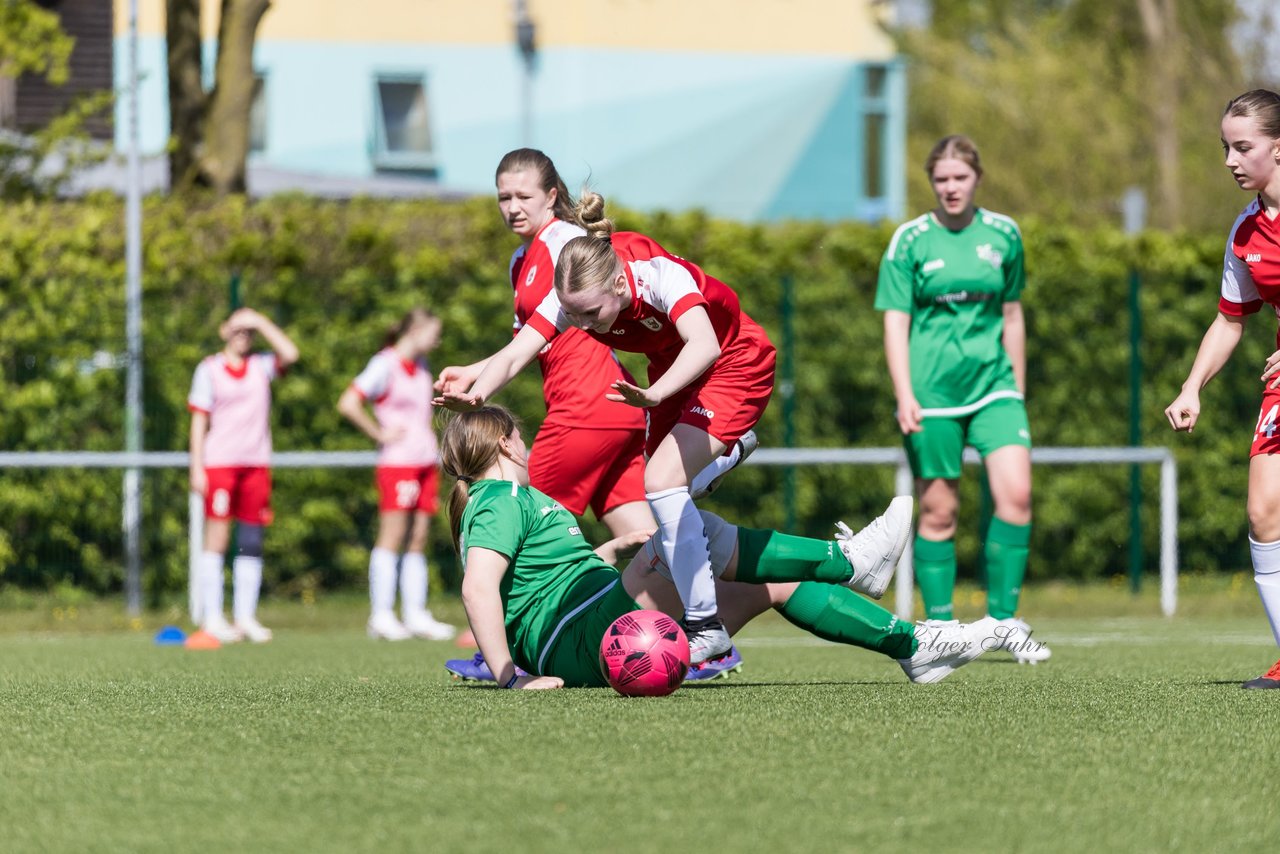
x=539, y=597
x=950, y=286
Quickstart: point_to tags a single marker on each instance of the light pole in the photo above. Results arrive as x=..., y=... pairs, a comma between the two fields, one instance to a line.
x=133, y=335
x=525, y=32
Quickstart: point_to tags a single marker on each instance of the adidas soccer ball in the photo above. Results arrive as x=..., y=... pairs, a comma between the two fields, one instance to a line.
x=644, y=654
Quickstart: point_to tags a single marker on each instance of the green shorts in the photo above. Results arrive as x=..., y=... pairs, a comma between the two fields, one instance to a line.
x=575, y=655
x=938, y=449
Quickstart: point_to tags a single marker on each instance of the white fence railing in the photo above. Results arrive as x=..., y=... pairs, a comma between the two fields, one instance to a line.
x=903, y=581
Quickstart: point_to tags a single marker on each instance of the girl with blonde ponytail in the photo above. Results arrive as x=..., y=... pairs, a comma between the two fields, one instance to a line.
x=711, y=371
x=539, y=599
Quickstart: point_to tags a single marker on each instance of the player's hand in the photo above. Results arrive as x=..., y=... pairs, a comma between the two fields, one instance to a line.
x=456, y=378
x=199, y=481
x=614, y=550
x=909, y=415
x=1185, y=411
x=538, y=683
x=458, y=401
x=242, y=318
x=632, y=395
x=1271, y=371
x=391, y=434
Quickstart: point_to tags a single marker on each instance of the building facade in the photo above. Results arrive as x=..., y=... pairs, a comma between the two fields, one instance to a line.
x=749, y=109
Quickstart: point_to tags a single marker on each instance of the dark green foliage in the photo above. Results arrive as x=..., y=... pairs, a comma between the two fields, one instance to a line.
x=336, y=275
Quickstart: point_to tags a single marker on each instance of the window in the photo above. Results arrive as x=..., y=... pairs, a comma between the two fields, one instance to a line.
x=258, y=115
x=402, y=133
x=875, y=129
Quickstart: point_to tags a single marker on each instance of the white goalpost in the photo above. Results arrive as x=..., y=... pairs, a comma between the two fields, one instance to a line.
x=904, y=578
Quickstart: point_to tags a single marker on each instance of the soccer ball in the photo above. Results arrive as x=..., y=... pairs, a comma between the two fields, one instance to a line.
x=644, y=654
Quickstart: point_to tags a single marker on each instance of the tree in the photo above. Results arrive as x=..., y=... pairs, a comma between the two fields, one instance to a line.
x=38, y=161
x=1072, y=101
x=210, y=131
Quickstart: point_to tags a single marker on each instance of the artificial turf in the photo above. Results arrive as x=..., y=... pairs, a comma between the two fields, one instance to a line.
x=1135, y=737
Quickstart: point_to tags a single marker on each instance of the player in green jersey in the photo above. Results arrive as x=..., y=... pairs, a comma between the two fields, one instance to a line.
x=950, y=287
x=538, y=596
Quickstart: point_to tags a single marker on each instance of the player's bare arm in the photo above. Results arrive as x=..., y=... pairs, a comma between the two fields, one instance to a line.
x=700, y=351
x=1014, y=340
x=897, y=332
x=1216, y=347
x=199, y=427
x=500, y=369
x=483, y=604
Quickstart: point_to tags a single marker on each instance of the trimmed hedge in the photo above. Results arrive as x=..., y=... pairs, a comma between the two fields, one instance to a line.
x=335, y=275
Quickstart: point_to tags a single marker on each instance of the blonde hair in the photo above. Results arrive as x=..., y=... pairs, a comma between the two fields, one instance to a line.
x=954, y=147
x=533, y=160
x=1260, y=104
x=589, y=261
x=468, y=447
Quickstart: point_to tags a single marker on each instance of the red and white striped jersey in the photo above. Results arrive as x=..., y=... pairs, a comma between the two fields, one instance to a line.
x=577, y=371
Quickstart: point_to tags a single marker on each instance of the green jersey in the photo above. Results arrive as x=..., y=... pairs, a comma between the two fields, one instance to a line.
x=554, y=573
x=954, y=284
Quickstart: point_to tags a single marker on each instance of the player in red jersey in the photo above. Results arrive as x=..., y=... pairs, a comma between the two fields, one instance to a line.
x=1250, y=279
x=588, y=452
x=230, y=403
x=397, y=384
x=711, y=371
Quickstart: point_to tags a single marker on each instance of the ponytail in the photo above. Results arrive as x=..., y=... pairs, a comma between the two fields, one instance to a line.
x=468, y=447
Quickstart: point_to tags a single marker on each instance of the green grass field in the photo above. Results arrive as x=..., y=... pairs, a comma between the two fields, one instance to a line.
x=1135, y=737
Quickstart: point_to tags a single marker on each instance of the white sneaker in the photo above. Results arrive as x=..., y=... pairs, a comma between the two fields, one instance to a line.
x=944, y=645
x=708, y=639
x=252, y=630
x=873, y=552
x=423, y=625
x=218, y=626
x=747, y=444
x=1015, y=637
x=384, y=626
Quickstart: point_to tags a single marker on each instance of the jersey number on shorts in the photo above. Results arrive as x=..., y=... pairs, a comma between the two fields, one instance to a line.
x=407, y=492
x=221, y=502
x=1266, y=422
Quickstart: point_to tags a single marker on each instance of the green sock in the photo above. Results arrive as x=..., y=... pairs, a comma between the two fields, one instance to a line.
x=1007, y=547
x=935, y=570
x=771, y=556
x=838, y=614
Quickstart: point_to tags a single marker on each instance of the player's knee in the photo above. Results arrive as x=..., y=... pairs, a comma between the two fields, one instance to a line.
x=937, y=523
x=249, y=540
x=722, y=541
x=1264, y=523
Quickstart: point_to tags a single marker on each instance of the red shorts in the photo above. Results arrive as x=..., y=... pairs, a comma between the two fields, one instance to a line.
x=580, y=468
x=726, y=402
x=1266, y=436
x=408, y=488
x=242, y=493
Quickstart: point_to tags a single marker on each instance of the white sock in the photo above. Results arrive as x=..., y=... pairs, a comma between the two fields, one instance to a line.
x=715, y=468
x=413, y=584
x=683, y=539
x=382, y=580
x=246, y=581
x=210, y=587
x=1266, y=574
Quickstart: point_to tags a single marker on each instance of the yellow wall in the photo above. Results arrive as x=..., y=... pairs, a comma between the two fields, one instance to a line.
x=824, y=27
